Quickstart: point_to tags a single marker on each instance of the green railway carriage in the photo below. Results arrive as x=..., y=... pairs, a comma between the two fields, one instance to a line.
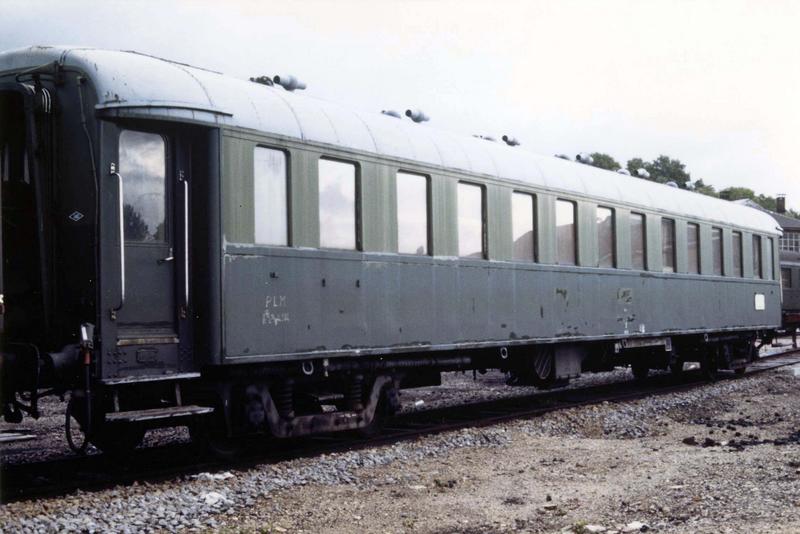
x=181, y=247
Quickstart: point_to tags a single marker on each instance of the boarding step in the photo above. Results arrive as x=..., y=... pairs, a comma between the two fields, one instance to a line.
x=11, y=437
x=155, y=414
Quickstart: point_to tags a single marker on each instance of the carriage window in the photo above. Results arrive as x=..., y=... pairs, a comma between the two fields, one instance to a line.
x=566, y=242
x=737, y=254
x=693, y=244
x=638, y=242
x=142, y=164
x=768, y=271
x=269, y=197
x=757, y=257
x=786, y=278
x=522, y=227
x=412, y=213
x=606, y=253
x=716, y=250
x=337, y=204
x=470, y=221
x=668, y=245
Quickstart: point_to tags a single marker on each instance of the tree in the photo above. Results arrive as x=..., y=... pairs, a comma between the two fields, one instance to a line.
x=700, y=187
x=663, y=169
x=737, y=193
x=604, y=161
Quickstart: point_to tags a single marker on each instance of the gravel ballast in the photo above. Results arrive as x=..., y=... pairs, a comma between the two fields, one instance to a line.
x=613, y=467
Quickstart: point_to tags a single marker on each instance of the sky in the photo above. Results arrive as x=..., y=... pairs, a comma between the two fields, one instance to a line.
x=714, y=83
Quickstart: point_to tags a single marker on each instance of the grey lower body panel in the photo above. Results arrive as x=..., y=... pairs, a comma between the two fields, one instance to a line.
x=295, y=305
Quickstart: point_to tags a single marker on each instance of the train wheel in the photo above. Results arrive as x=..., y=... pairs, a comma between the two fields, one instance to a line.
x=709, y=366
x=640, y=370
x=210, y=435
x=119, y=439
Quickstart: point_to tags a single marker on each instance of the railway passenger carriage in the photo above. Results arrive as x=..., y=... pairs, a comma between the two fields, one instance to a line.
x=180, y=247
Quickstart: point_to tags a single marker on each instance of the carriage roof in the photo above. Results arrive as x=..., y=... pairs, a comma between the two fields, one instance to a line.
x=159, y=88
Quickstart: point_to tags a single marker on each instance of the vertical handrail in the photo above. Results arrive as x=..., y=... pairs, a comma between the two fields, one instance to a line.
x=185, y=240
x=121, y=237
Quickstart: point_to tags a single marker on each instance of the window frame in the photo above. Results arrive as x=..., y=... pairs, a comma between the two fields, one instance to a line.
x=758, y=258
x=698, y=264
x=721, y=252
x=534, y=226
x=674, y=267
x=614, y=260
x=575, y=233
x=484, y=239
x=428, y=212
x=643, y=217
x=287, y=155
x=357, y=203
x=737, y=236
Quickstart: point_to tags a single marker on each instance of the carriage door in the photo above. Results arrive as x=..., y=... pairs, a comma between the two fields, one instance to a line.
x=152, y=313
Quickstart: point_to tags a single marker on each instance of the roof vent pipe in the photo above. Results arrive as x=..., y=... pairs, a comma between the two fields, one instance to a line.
x=672, y=184
x=583, y=157
x=626, y=172
x=485, y=137
x=510, y=141
x=417, y=115
x=288, y=82
x=642, y=173
x=392, y=113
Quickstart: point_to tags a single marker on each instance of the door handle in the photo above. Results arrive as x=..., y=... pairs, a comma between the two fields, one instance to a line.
x=168, y=258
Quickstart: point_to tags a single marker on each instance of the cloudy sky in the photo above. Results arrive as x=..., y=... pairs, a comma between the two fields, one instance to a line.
x=713, y=83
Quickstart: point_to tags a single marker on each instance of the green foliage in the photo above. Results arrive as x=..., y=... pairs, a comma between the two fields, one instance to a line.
x=604, y=161
x=700, y=187
x=663, y=169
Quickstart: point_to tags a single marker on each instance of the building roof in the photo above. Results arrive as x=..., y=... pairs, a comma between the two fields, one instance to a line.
x=786, y=222
x=155, y=87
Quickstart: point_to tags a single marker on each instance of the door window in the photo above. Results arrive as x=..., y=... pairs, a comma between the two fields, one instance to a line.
x=142, y=164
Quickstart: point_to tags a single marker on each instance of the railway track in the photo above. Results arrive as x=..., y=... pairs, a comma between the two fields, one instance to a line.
x=31, y=480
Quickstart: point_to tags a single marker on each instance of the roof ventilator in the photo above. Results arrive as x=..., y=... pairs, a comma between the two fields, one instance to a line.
x=510, y=141
x=583, y=157
x=392, y=113
x=263, y=80
x=417, y=115
x=485, y=137
x=288, y=82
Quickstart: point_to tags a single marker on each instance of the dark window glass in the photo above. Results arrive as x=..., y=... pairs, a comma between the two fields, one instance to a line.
x=143, y=166
x=270, y=198
x=693, y=245
x=737, y=254
x=668, y=245
x=566, y=241
x=470, y=221
x=786, y=278
x=412, y=213
x=716, y=250
x=522, y=214
x=768, y=271
x=606, y=252
x=337, y=204
x=758, y=264
x=638, y=242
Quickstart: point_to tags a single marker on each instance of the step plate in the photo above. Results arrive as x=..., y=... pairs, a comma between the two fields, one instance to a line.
x=157, y=413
